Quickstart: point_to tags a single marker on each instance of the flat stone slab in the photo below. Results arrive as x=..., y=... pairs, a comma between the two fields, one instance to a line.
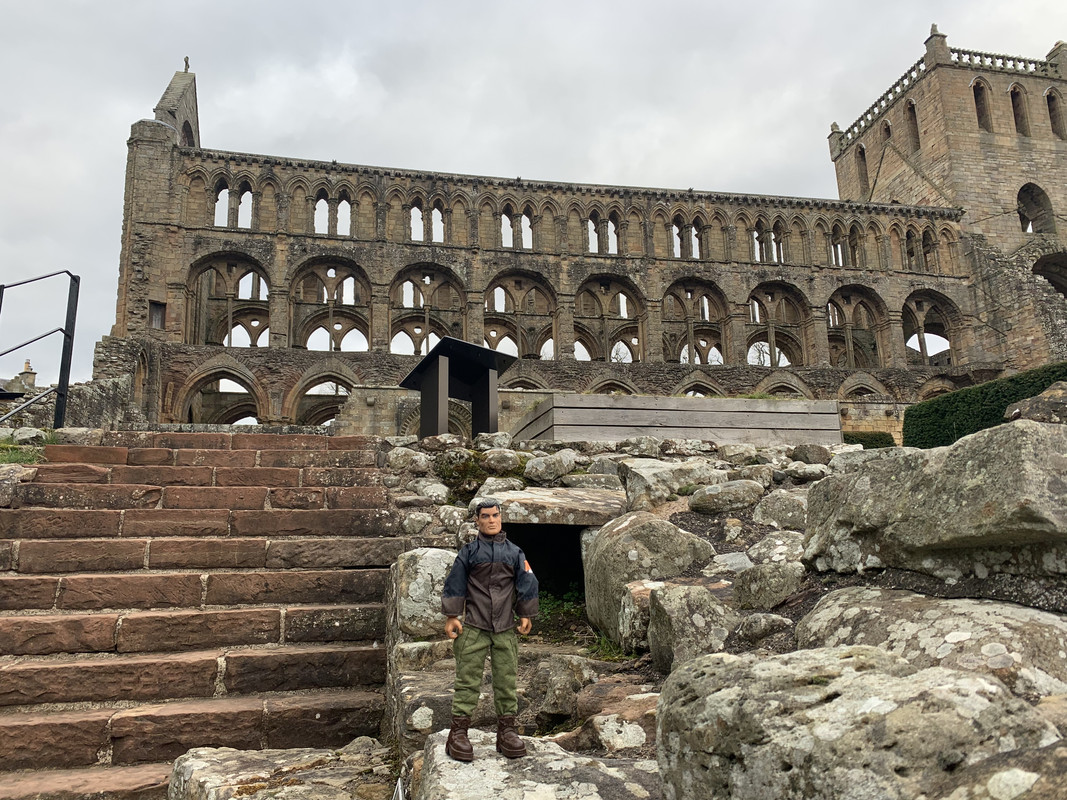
x=540, y=506
x=548, y=771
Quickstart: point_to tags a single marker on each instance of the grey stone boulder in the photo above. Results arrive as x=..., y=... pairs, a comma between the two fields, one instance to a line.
x=413, y=522
x=995, y=501
x=850, y=459
x=1019, y=775
x=756, y=627
x=546, y=469
x=430, y=487
x=633, y=614
x=766, y=585
x=537, y=505
x=812, y=454
x=453, y=517
x=777, y=548
x=611, y=482
x=686, y=621
x=442, y=442
x=783, y=508
x=624, y=727
x=11, y=475
x=29, y=436
x=359, y=769
x=554, y=685
x=632, y=547
x=738, y=454
x=762, y=474
x=643, y=446
x=604, y=465
x=418, y=576
x=844, y=723
x=729, y=496
x=489, y=441
x=548, y=771
x=806, y=473
x=404, y=459
x=85, y=437
x=499, y=460
x=494, y=486
x=725, y=563
x=649, y=482
x=1022, y=647
x=1054, y=709
x=1049, y=406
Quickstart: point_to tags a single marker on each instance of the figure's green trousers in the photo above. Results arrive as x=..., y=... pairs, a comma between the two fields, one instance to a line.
x=470, y=649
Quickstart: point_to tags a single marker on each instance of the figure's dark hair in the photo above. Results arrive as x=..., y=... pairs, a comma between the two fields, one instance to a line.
x=485, y=502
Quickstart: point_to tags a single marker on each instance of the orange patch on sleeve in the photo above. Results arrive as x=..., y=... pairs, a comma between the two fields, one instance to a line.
x=527, y=565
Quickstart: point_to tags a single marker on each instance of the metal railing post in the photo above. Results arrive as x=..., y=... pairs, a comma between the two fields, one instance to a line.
x=68, y=352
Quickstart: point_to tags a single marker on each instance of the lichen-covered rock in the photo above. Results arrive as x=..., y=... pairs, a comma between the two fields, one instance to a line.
x=993, y=502
x=548, y=771
x=1022, y=647
x=850, y=459
x=758, y=626
x=763, y=474
x=404, y=459
x=554, y=685
x=1049, y=406
x=494, y=486
x=1054, y=709
x=413, y=522
x=1019, y=775
x=812, y=453
x=490, y=441
x=783, y=508
x=500, y=461
x=649, y=482
x=633, y=614
x=442, y=442
x=28, y=436
x=546, y=469
x=624, y=727
x=11, y=475
x=642, y=446
x=453, y=517
x=635, y=546
x=537, y=505
x=777, y=548
x=418, y=577
x=85, y=437
x=686, y=621
x=806, y=473
x=429, y=487
x=738, y=454
x=729, y=496
x=766, y=585
x=611, y=482
x=360, y=769
x=843, y=723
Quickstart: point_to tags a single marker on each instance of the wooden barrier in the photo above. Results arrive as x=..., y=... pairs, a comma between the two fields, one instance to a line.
x=600, y=417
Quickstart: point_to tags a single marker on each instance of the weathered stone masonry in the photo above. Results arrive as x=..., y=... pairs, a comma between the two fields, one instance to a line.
x=285, y=276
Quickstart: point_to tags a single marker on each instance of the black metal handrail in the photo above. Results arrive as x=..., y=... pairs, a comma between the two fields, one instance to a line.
x=60, y=390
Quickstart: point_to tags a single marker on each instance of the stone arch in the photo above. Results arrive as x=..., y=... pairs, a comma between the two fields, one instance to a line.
x=928, y=313
x=778, y=311
x=426, y=300
x=860, y=383
x=693, y=317
x=1035, y=210
x=1053, y=268
x=698, y=385
x=196, y=200
x=615, y=385
x=621, y=313
x=307, y=409
x=934, y=387
x=857, y=326
x=528, y=313
x=784, y=383
x=213, y=306
x=189, y=405
x=526, y=382
x=328, y=292
x=459, y=420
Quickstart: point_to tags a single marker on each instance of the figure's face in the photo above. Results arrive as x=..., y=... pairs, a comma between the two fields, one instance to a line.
x=489, y=521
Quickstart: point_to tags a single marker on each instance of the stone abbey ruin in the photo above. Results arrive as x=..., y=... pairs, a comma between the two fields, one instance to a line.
x=277, y=288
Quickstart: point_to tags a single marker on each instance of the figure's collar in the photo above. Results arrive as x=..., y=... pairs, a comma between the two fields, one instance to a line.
x=496, y=538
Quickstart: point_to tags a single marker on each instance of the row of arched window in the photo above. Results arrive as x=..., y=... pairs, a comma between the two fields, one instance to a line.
x=700, y=234
x=1020, y=109
x=329, y=309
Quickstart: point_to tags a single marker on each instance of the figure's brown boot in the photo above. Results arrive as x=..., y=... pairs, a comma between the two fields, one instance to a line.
x=458, y=745
x=508, y=743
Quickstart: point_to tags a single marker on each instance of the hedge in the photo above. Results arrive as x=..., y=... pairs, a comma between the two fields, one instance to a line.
x=948, y=417
x=870, y=440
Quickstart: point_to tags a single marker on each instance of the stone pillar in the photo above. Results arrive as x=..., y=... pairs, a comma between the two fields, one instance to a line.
x=331, y=216
x=476, y=317
x=896, y=354
x=278, y=309
x=820, y=337
x=736, y=344
x=379, y=324
x=446, y=216
x=602, y=239
x=232, y=202
x=653, y=332
x=564, y=328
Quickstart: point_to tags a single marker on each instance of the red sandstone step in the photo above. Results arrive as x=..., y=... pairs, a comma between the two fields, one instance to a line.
x=296, y=522
x=86, y=495
x=163, y=475
x=257, y=476
x=141, y=782
x=340, y=476
x=80, y=555
x=216, y=458
x=317, y=458
x=72, y=473
x=60, y=523
x=160, y=631
x=36, y=680
x=80, y=454
x=232, y=497
x=161, y=590
x=162, y=732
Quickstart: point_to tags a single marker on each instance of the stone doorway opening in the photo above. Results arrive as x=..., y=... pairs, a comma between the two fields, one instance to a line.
x=555, y=555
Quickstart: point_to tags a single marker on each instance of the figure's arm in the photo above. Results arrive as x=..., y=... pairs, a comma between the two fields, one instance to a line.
x=454, y=594
x=524, y=625
x=526, y=602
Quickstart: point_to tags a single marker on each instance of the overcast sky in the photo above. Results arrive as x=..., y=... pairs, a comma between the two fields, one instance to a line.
x=724, y=96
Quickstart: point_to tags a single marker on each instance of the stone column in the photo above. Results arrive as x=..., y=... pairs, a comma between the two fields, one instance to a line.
x=476, y=317
x=653, y=332
x=896, y=354
x=331, y=216
x=379, y=324
x=736, y=345
x=820, y=337
x=564, y=328
x=278, y=309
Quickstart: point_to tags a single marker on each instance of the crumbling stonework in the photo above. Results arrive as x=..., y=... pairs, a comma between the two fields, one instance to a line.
x=299, y=281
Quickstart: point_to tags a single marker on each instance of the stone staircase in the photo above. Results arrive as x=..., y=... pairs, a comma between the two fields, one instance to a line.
x=173, y=590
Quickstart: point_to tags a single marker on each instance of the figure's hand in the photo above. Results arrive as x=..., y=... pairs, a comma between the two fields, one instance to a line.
x=524, y=625
x=453, y=627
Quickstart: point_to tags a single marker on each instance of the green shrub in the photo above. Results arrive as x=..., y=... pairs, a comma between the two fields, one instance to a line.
x=871, y=440
x=948, y=417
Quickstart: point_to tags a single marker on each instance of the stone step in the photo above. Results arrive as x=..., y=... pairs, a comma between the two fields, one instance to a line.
x=168, y=475
x=158, y=631
x=106, y=678
x=279, y=456
x=147, y=523
x=141, y=782
x=236, y=441
x=163, y=731
x=43, y=556
x=182, y=589
x=86, y=495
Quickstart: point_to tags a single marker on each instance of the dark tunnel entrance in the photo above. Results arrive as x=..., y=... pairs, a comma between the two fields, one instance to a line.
x=555, y=555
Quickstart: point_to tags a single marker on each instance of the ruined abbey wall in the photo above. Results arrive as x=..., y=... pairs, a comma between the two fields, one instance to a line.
x=286, y=276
